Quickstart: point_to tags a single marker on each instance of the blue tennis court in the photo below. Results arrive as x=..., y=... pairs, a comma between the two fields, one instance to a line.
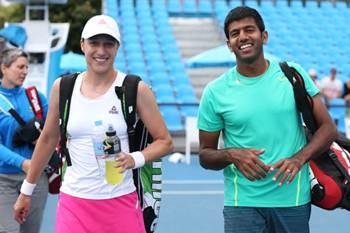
x=192, y=202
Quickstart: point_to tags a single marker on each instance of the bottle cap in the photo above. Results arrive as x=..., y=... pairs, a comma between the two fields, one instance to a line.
x=111, y=132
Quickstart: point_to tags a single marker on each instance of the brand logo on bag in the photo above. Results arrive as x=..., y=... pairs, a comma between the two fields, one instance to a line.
x=113, y=110
x=35, y=101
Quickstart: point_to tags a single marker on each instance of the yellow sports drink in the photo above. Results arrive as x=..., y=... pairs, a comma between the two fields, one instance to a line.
x=113, y=175
x=111, y=148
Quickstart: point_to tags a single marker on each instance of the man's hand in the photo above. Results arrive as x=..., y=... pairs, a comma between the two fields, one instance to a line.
x=247, y=161
x=21, y=208
x=287, y=169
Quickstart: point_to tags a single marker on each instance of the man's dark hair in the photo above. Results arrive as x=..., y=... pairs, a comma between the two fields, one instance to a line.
x=242, y=12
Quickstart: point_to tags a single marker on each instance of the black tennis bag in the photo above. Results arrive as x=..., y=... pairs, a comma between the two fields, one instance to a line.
x=330, y=172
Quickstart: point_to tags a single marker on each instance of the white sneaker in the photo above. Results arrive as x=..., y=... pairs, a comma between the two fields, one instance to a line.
x=177, y=158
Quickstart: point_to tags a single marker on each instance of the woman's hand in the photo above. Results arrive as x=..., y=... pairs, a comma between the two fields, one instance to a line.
x=124, y=161
x=21, y=208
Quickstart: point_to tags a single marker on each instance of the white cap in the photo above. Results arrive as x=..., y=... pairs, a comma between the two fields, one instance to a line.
x=312, y=72
x=101, y=24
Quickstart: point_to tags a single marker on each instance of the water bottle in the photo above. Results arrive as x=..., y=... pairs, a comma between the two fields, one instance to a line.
x=98, y=137
x=111, y=148
x=111, y=143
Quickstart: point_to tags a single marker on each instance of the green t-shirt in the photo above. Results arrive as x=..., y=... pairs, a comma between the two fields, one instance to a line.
x=258, y=112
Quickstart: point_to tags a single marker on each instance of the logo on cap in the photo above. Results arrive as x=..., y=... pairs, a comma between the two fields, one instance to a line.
x=102, y=21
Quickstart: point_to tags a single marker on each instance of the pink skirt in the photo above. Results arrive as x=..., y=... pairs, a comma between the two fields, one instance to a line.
x=117, y=215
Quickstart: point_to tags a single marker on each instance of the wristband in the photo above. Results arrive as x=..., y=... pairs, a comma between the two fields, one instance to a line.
x=27, y=188
x=139, y=159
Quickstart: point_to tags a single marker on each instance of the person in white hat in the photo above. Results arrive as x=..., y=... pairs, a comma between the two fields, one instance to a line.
x=313, y=75
x=87, y=202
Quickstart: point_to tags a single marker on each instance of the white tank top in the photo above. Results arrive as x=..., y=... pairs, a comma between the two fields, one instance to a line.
x=83, y=178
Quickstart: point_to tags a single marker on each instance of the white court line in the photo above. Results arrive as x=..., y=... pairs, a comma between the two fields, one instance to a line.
x=193, y=182
x=193, y=192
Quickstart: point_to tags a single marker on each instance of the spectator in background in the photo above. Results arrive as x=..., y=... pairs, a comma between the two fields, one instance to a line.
x=15, y=150
x=313, y=75
x=267, y=186
x=331, y=87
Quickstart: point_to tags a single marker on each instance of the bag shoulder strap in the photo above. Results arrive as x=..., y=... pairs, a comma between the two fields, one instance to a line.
x=35, y=103
x=65, y=93
x=127, y=94
x=6, y=106
x=303, y=100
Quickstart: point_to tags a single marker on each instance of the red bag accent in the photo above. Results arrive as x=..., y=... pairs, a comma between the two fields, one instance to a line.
x=332, y=172
x=343, y=157
x=33, y=96
x=54, y=182
x=333, y=193
x=54, y=172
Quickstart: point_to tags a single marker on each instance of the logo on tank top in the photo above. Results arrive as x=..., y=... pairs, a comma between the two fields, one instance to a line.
x=282, y=78
x=113, y=110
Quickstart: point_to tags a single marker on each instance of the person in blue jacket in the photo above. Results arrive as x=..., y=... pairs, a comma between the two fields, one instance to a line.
x=15, y=149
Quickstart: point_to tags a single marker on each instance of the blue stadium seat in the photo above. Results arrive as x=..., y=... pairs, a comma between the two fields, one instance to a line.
x=148, y=38
x=174, y=6
x=159, y=7
x=186, y=99
x=131, y=29
x=164, y=93
x=161, y=30
x=130, y=38
x=183, y=89
x=189, y=7
x=177, y=66
x=127, y=13
x=185, y=93
x=205, y=6
x=157, y=67
x=135, y=56
x=147, y=29
x=337, y=109
x=145, y=20
x=152, y=47
x=160, y=78
x=120, y=65
x=235, y=3
x=172, y=57
x=132, y=48
x=165, y=99
x=172, y=117
x=154, y=57
x=250, y=3
x=189, y=110
x=137, y=67
x=170, y=48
